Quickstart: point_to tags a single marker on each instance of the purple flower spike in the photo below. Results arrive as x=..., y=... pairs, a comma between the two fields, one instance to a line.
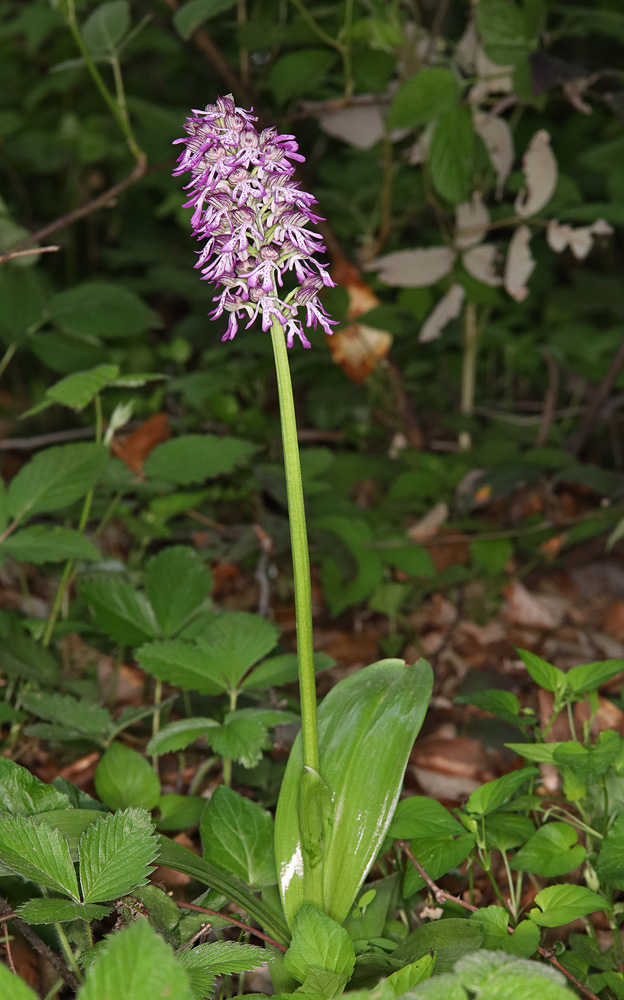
x=254, y=220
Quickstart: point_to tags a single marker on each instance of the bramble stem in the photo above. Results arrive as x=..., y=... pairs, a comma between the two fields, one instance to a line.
x=299, y=544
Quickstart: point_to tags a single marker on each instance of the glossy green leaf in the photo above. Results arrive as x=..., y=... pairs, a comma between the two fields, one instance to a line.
x=548, y=677
x=51, y=911
x=419, y=816
x=504, y=830
x=437, y=855
x=589, y=676
x=503, y=704
x=124, y=778
x=493, y=794
x=40, y=544
x=184, y=860
x=177, y=584
x=71, y=824
x=116, y=854
x=195, y=457
x=177, y=812
x=22, y=794
x=39, y=853
x=550, y=852
x=318, y=942
x=120, y=610
x=136, y=964
x=495, y=920
x=367, y=726
x=237, y=835
x=561, y=904
x=55, y=478
x=406, y=978
x=423, y=97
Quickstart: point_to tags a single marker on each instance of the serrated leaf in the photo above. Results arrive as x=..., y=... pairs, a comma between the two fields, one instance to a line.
x=124, y=778
x=22, y=794
x=180, y=734
x=233, y=642
x=240, y=739
x=177, y=584
x=610, y=866
x=82, y=716
x=71, y=823
x=106, y=26
x=550, y=852
x=280, y=670
x=237, y=835
x=451, y=154
x=120, y=610
x=196, y=457
x=116, y=854
x=55, y=478
x=181, y=663
x=560, y=904
x=51, y=911
x=40, y=544
x=224, y=958
x=80, y=388
x=39, y=853
x=493, y=794
x=318, y=942
x=424, y=96
x=25, y=659
x=136, y=964
x=102, y=309
x=504, y=30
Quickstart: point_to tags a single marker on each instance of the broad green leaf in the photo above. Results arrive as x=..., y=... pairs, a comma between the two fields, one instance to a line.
x=368, y=917
x=136, y=964
x=561, y=904
x=367, y=726
x=71, y=824
x=79, y=389
x=120, y=610
x=179, y=735
x=240, y=739
x=83, y=717
x=192, y=14
x=437, y=855
x=180, y=663
x=177, y=583
x=116, y=854
x=55, y=478
x=504, y=831
x=177, y=812
x=319, y=983
x=493, y=794
x=411, y=559
x=551, y=851
x=294, y=73
x=503, y=704
x=525, y=940
x=523, y=986
x=589, y=763
x=548, y=677
x=195, y=457
x=505, y=31
x=484, y=969
x=451, y=154
x=406, y=978
x=280, y=670
x=426, y=95
x=441, y=987
x=39, y=853
x=14, y=988
x=589, y=676
x=40, y=544
x=237, y=835
x=419, y=816
x=51, y=911
x=448, y=939
x=224, y=958
x=495, y=923
x=539, y=753
x=162, y=912
x=22, y=794
x=102, y=309
x=124, y=778
x=318, y=942
x=342, y=585
x=233, y=643
x=610, y=866
x=106, y=26
x=25, y=659
x=23, y=302
x=183, y=860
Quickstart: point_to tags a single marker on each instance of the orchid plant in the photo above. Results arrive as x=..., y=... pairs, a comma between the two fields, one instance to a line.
x=346, y=767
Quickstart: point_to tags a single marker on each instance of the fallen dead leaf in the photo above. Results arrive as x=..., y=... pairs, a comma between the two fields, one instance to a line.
x=532, y=610
x=613, y=620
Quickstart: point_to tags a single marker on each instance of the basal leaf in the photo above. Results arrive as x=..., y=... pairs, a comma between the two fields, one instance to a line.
x=196, y=457
x=561, y=904
x=40, y=544
x=177, y=583
x=318, y=942
x=39, y=853
x=136, y=964
x=237, y=835
x=120, y=610
x=22, y=794
x=116, y=854
x=55, y=478
x=179, y=735
x=124, y=778
x=51, y=911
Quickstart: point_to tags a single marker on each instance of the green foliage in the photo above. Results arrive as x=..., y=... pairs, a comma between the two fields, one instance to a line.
x=237, y=835
x=123, y=778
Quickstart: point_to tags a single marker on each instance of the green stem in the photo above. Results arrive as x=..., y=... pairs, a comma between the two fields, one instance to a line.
x=299, y=544
x=469, y=369
x=316, y=28
x=227, y=761
x=6, y=358
x=200, y=775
